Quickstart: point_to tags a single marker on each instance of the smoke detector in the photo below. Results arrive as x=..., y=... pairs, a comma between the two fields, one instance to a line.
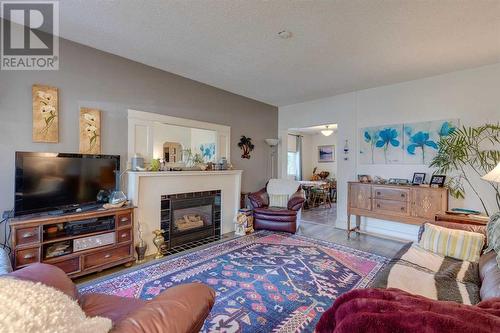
x=285, y=34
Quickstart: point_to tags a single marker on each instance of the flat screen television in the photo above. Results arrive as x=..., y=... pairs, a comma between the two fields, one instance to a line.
x=62, y=182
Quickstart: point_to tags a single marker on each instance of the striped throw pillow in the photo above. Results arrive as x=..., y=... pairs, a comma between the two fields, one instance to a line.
x=458, y=244
x=278, y=200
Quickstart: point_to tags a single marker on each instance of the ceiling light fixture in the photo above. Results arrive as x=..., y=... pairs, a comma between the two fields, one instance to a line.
x=284, y=34
x=327, y=132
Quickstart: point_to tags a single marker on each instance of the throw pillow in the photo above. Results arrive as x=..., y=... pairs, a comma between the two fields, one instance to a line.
x=458, y=244
x=31, y=307
x=278, y=200
x=493, y=234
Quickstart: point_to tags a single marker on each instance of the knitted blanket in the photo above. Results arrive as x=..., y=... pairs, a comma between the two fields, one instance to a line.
x=421, y=272
x=30, y=307
x=393, y=310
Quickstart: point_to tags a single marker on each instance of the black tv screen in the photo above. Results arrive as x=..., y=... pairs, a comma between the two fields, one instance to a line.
x=59, y=181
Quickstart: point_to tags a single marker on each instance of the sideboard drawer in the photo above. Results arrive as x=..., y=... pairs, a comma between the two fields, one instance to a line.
x=123, y=235
x=69, y=266
x=104, y=257
x=27, y=256
x=396, y=194
x=123, y=220
x=27, y=235
x=390, y=207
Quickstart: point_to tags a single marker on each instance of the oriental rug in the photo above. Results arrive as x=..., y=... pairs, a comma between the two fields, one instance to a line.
x=264, y=282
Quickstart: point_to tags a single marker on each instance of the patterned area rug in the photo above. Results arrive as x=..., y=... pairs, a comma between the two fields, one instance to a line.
x=265, y=282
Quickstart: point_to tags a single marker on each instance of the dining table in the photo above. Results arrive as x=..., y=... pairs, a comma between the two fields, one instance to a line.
x=308, y=186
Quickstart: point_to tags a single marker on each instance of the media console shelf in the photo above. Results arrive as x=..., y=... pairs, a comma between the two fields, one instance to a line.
x=79, y=243
x=399, y=203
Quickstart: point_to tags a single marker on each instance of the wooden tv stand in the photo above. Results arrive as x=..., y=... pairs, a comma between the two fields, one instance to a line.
x=33, y=239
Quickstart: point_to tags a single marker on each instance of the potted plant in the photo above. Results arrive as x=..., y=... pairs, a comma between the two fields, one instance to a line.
x=467, y=153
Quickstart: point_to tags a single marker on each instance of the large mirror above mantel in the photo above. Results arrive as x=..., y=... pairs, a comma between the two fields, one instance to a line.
x=174, y=140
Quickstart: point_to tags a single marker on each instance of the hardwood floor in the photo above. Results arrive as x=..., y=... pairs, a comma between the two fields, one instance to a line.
x=320, y=215
x=381, y=246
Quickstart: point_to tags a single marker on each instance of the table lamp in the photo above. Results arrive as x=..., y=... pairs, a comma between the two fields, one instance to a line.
x=493, y=175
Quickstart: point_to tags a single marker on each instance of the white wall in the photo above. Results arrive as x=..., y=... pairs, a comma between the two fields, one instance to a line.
x=472, y=95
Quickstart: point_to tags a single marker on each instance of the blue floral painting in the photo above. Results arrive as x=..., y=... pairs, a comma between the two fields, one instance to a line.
x=421, y=140
x=207, y=151
x=412, y=143
x=382, y=145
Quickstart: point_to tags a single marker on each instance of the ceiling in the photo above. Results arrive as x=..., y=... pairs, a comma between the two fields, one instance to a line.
x=336, y=46
x=314, y=129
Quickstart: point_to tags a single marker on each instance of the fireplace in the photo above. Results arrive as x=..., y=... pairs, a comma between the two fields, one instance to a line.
x=190, y=218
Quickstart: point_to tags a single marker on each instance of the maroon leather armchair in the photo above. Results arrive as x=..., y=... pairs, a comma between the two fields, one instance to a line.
x=276, y=218
x=180, y=309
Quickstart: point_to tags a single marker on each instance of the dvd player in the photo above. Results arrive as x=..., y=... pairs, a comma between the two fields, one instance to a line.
x=87, y=226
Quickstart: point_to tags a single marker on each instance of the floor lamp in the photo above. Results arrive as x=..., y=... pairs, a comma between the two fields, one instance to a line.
x=272, y=143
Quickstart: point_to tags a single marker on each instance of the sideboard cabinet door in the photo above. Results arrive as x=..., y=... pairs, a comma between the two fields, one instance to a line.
x=360, y=196
x=426, y=202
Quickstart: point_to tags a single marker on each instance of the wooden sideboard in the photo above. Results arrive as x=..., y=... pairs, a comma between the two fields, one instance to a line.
x=33, y=237
x=399, y=203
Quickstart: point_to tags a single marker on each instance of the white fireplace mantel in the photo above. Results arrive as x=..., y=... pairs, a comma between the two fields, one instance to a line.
x=146, y=188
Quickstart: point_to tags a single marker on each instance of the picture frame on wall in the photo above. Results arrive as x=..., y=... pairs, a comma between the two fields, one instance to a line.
x=90, y=131
x=437, y=180
x=45, y=113
x=418, y=178
x=364, y=178
x=326, y=153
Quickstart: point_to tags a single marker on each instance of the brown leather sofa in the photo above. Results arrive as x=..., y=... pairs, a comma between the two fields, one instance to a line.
x=179, y=309
x=276, y=218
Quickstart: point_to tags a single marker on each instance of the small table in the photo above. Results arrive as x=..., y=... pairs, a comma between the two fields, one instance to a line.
x=462, y=218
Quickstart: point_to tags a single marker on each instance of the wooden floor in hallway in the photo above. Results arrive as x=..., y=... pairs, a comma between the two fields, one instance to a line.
x=320, y=215
x=381, y=246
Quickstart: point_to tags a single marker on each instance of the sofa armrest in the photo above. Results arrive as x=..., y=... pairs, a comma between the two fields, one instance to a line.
x=296, y=201
x=48, y=275
x=259, y=199
x=181, y=309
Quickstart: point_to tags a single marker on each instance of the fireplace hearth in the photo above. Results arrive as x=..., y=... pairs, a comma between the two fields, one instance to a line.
x=190, y=219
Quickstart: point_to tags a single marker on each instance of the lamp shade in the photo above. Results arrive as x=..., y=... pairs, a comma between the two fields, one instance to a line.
x=272, y=142
x=327, y=132
x=493, y=175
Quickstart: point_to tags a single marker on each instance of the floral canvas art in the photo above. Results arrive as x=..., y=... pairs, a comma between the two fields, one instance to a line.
x=207, y=151
x=413, y=143
x=381, y=145
x=45, y=114
x=90, y=131
x=421, y=139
